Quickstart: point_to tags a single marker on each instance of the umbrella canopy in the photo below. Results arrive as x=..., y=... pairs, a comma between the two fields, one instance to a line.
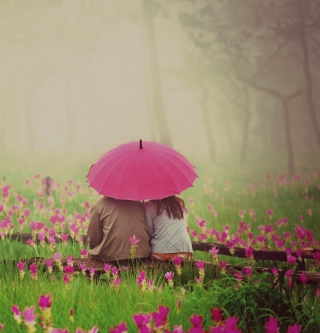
x=140, y=171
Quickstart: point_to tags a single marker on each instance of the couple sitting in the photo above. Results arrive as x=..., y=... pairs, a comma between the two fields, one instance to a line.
x=159, y=224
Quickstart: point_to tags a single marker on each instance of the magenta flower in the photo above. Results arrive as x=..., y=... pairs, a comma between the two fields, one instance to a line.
x=291, y=259
x=271, y=325
x=142, y=321
x=247, y=271
x=68, y=269
x=66, y=278
x=270, y=213
x=303, y=278
x=16, y=313
x=161, y=318
x=122, y=328
x=21, y=265
x=64, y=238
x=249, y=252
x=177, y=260
x=196, y=321
x=33, y=269
x=44, y=302
x=83, y=252
x=316, y=256
x=142, y=278
x=31, y=242
x=217, y=314
x=294, y=329
x=83, y=268
x=223, y=265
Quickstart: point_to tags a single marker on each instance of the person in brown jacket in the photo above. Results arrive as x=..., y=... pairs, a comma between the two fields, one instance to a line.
x=112, y=223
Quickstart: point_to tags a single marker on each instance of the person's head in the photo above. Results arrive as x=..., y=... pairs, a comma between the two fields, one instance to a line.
x=174, y=206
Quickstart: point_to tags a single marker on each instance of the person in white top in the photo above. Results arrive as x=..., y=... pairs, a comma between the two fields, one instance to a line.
x=168, y=228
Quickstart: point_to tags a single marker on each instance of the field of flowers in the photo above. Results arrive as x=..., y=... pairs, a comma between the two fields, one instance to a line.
x=266, y=211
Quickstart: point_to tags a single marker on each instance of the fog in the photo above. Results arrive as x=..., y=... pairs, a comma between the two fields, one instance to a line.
x=210, y=78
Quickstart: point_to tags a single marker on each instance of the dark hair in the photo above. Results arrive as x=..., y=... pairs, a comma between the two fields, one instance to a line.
x=174, y=206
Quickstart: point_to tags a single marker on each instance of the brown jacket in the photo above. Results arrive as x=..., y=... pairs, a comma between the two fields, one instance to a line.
x=112, y=223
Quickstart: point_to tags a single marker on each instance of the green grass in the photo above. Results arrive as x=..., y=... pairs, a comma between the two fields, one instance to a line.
x=95, y=303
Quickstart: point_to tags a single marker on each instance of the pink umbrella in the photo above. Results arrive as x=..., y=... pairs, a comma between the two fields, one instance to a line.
x=134, y=171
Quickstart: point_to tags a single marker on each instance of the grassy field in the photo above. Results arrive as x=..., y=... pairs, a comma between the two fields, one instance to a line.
x=253, y=207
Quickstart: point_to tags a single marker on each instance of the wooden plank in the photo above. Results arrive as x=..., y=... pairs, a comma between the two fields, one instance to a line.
x=205, y=247
x=313, y=278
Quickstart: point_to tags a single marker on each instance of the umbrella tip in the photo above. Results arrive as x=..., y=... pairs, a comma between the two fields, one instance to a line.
x=140, y=144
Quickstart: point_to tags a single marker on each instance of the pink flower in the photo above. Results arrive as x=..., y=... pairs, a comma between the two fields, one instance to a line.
x=115, y=270
x=29, y=316
x=107, y=267
x=271, y=325
x=83, y=252
x=44, y=302
x=33, y=269
x=200, y=264
x=57, y=256
x=31, y=242
x=169, y=276
x=64, y=237
x=134, y=240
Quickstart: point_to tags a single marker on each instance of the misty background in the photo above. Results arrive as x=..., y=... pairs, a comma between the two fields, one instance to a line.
x=210, y=78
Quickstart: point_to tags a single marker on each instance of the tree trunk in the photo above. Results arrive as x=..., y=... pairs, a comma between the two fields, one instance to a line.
x=306, y=69
x=164, y=130
x=245, y=137
x=3, y=112
x=207, y=127
x=69, y=113
x=29, y=120
x=288, y=137
x=91, y=113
